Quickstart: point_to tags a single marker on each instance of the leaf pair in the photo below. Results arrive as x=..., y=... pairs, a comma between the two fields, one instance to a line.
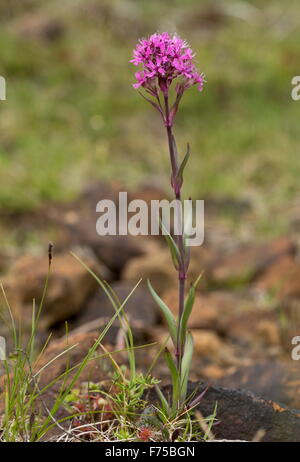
x=188, y=306
x=186, y=365
x=168, y=315
x=175, y=254
x=179, y=374
x=180, y=377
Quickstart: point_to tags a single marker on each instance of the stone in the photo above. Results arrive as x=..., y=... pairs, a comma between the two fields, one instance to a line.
x=39, y=26
x=156, y=266
x=257, y=327
x=281, y=278
x=247, y=262
x=69, y=286
x=241, y=414
x=54, y=362
x=212, y=310
x=141, y=311
x=78, y=219
x=272, y=379
x=207, y=343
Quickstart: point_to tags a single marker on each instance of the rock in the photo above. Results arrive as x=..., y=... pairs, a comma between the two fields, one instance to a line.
x=271, y=379
x=207, y=343
x=281, y=278
x=148, y=193
x=157, y=267
x=213, y=372
x=79, y=219
x=39, y=26
x=208, y=346
x=81, y=344
x=241, y=414
x=232, y=269
x=54, y=363
x=269, y=332
x=141, y=310
x=113, y=251
x=213, y=310
x=203, y=259
x=259, y=328
x=117, y=251
x=70, y=284
x=242, y=265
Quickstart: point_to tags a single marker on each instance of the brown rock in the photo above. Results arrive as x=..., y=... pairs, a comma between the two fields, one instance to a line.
x=79, y=345
x=213, y=372
x=147, y=193
x=245, y=263
x=79, y=219
x=212, y=310
x=207, y=343
x=207, y=346
x=116, y=251
x=157, y=267
x=281, y=278
x=113, y=251
x=269, y=332
x=272, y=379
x=241, y=414
x=141, y=310
x=56, y=361
x=39, y=26
x=253, y=326
x=239, y=316
x=69, y=286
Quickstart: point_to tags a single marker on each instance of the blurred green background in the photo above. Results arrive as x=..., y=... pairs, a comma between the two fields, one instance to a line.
x=72, y=116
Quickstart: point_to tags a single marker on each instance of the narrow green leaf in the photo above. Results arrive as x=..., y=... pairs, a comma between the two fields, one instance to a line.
x=186, y=364
x=163, y=400
x=195, y=284
x=171, y=365
x=166, y=312
x=188, y=306
x=173, y=250
x=175, y=377
x=183, y=164
x=171, y=243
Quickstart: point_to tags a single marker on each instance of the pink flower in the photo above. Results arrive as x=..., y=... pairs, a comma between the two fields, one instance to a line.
x=162, y=59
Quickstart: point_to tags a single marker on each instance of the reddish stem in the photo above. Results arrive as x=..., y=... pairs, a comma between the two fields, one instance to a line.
x=182, y=268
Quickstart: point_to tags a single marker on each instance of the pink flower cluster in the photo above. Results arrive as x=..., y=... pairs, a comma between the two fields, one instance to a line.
x=164, y=58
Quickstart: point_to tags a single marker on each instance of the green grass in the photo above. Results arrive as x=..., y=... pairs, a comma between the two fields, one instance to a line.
x=71, y=114
x=117, y=409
